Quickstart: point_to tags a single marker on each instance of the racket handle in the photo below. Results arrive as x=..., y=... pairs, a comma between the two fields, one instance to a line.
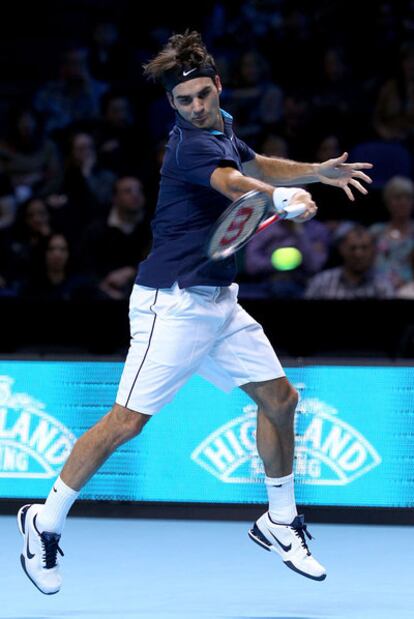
x=293, y=210
x=281, y=199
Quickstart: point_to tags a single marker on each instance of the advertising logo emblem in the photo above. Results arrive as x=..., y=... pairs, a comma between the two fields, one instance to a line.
x=33, y=444
x=328, y=450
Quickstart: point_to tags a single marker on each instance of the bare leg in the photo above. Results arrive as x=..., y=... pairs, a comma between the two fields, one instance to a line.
x=276, y=400
x=97, y=444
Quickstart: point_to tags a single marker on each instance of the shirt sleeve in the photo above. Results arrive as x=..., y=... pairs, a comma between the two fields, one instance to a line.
x=245, y=152
x=197, y=159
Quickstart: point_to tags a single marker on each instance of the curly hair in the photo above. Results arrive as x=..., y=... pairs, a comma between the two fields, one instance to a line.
x=181, y=51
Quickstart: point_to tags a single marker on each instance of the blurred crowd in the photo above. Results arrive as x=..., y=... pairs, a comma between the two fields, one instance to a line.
x=80, y=155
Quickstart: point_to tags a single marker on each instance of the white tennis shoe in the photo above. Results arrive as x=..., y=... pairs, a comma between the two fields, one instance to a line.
x=39, y=555
x=290, y=543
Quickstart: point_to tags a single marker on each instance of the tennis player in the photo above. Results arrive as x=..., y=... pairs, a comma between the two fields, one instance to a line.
x=184, y=313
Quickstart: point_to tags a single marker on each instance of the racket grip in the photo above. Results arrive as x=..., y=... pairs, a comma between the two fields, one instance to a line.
x=293, y=210
x=281, y=198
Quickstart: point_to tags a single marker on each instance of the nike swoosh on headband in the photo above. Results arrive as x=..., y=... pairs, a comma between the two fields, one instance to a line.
x=185, y=73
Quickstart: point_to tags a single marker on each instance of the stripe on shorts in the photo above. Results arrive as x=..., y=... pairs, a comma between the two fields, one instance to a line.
x=148, y=347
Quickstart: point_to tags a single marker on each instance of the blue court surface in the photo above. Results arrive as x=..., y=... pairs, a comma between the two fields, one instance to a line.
x=166, y=569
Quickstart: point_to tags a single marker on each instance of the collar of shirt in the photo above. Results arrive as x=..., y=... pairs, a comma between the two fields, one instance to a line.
x=228, y=125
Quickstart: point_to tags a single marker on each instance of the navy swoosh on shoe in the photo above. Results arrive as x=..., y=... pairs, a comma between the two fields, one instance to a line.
x=285, y=548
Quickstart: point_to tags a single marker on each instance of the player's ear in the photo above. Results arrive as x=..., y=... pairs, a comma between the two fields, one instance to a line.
x=171, y=100
x=217, y=82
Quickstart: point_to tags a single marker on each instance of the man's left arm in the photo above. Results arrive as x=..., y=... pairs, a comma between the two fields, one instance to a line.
x=284, y=172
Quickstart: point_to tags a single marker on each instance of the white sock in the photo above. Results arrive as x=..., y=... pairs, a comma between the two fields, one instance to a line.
x=53, y=513
x=281, y=493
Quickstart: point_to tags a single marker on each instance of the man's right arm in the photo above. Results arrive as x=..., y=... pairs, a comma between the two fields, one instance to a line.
x=233, y=184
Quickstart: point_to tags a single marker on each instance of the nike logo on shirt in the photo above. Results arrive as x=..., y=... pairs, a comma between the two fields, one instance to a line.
x=185, y=73
x=283, y=547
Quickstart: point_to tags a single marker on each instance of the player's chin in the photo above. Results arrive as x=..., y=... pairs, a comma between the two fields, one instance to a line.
x=202, y=121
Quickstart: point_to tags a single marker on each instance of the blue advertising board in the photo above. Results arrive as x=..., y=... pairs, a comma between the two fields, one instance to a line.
x=354, y=437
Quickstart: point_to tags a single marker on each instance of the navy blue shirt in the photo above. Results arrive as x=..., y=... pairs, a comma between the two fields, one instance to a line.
x=188, y=207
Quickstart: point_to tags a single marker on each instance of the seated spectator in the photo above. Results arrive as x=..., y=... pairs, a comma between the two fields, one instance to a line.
x=335, y=91
x=395, y=238
x=407, y=291
x=310, y=239
x=329, y=147
x=394, y=109
x=296, y=126
x=118, y=136
x=333, y=206
x=356, y=278
x=255, y=102
x=86, y=191
x=22, y=240
x=74, y=96
x=109, y=61
x=273, y=146
x=51, y=276
x=112, y=248
x=30, y=160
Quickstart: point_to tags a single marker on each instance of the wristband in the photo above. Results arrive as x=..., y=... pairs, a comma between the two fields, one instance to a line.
x=281, y=198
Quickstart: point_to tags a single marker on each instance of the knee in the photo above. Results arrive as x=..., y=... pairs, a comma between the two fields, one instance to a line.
x=281, y=408
x=125, y=424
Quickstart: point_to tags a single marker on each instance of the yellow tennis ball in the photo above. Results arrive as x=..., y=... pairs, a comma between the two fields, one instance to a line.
x=286, y=258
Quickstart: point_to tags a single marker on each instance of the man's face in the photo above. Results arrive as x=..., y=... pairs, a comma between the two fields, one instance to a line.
x=198, y=101
x=400, y=204
x=358, y=251
x=129, y=195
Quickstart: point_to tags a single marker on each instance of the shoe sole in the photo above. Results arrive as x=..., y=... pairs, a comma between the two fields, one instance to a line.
x=23, y=562
x=21, y=523
x=257, y=536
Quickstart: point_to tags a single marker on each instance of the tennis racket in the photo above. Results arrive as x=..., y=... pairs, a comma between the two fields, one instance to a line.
x=251, y=213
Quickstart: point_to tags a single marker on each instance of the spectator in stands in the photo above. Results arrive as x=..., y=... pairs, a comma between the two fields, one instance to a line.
x=118, y=135
x=256, y=102
x=51, y=276
x=335, y=90
x=328, y=147
x=357, y=277
x=274, y=146
x=395, y=238
x=332, y=208
x=112, y=247
x=86, y=186
x=407, y=290
x=295, y=126
x=21, y=242
x=109, y=61
x=394, y=109
x=30, y=160
x=310, y=239
x=74, y=96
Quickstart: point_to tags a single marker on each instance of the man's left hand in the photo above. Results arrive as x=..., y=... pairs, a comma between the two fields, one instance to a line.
x=344, y=175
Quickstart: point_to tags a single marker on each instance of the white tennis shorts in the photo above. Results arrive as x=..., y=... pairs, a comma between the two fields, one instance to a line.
x=177, y=332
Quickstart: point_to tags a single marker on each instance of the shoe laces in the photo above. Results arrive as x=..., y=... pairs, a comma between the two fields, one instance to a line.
x=50, y=545
x=300, y=528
